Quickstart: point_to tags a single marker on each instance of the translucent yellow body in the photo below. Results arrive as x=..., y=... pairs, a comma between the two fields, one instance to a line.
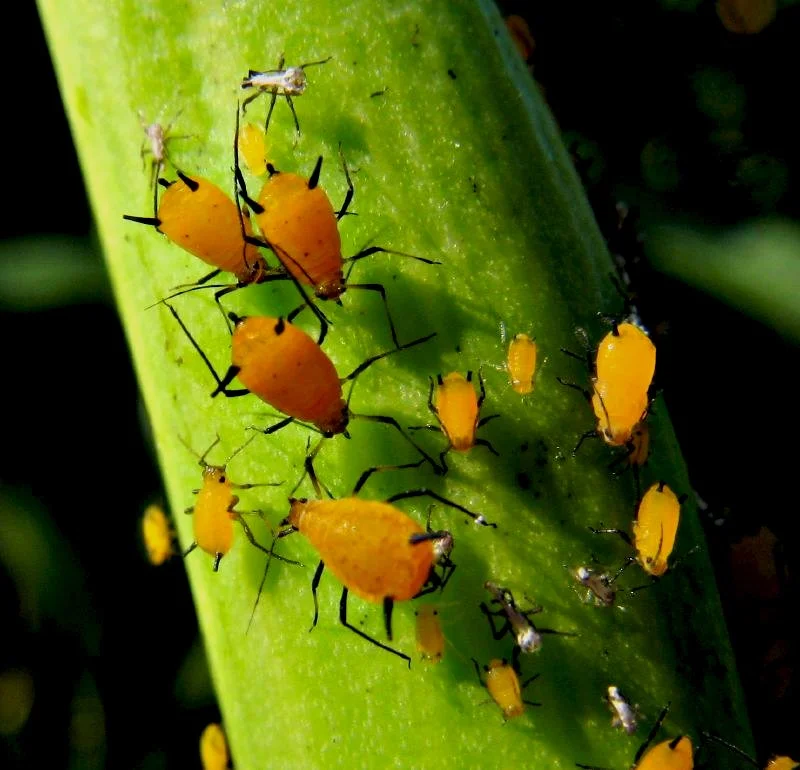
x=365, y=544
x=213, y=525
x=626, y=361
x=157, y=535
x=503, y=685
x=205, y=222
x=252, y=148
x=669, y=755
x=782, y=763
x=522, y=363
x=456, y=405
x=655, y=528
x=430, y=639
x=285, y=367
x=618, y=415
x=213, y=748
x=301, y=224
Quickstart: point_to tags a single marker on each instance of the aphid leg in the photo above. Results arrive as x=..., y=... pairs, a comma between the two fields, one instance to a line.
x=431, y=408
x=273, y=428
x=391, y=421
x=350, y=189
x=387, y=616
x=272, y=99
x=314, y=585
x=484, y=442
x=434, y=496
x=379, y=288
x=619, y=532
x=491, y=615
x=478, y=672
x=189, y=549
x=583, y=437
x=651, y=735
x=362, y=479
x=294, y=115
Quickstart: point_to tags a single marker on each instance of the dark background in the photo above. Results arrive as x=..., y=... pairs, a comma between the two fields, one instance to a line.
x=110, y=643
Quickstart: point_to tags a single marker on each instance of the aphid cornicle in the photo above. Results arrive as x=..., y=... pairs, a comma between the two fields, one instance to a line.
x=375, y=550
x=674, y=754
x=158, y=535
x=517, y=622
x=213, y=748
x=455, y=405
x=215, y=511
x=299, y=224
x=288, y=82
x=502, y=681
x=283, y=366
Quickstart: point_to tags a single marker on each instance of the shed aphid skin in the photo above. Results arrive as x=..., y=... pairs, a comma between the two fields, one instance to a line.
x=624, y=715
x=430, y=638
x=774, y=763
x=199, y=217
x=455, y=405
x=250, y=142
x=215, y=510
x=288, y=82
x=284, y=367
x=654, y=530
x=373, y=548
x=599, y=585
x=299, y=224
x=213, y=748
x=521, y=363
x=501, y=679
x=674, y=754
x=517, y=622
x=158, y=535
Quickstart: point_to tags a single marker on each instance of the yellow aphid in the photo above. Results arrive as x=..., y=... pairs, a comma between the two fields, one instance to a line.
x=521, y=363
x=252, y=148
x=158, y=535
x=213, y=748
x=655, y=528
x=430, y=639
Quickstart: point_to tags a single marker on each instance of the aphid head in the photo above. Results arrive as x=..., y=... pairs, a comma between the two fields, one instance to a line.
x=583, y=574
x=295, y=79
x=529, y=639
x=443, y=544
x=297, y=508
x=337, y=422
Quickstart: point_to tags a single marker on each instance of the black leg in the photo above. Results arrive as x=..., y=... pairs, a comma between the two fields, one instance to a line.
x=343, y=621
x=314, y=585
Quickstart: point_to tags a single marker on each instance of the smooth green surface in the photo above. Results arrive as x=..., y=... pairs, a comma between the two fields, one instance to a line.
x=468, y=170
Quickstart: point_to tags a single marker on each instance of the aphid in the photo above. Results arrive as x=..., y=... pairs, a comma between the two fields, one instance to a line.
x=374, y=549
x=775, y=763
x=430, y=638
x=675, y=754
x=213, y=748
x=215, y=511
x=288, y=82
x=654, y=530
x=154, y=144
x=502, y=682
x=746, y=17
x=158, y=535
x=599, y=584
x=298, y=221
x=456, y=407
x=624, y=715
x=517, y=622
x=623, y=373
x=283, y=366
x=199, y=217
x=521, y=35
x=521, y=363
x=251, y=140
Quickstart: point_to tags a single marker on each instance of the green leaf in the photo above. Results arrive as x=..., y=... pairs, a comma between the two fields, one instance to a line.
x=458, y=160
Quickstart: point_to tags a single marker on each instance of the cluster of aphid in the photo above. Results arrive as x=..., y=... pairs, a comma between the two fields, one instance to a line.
x=358, y=538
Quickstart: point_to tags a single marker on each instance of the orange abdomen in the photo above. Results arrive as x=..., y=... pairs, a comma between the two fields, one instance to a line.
x=456, y=404
x=302, y=226
x=365, y=544
x=283, y=366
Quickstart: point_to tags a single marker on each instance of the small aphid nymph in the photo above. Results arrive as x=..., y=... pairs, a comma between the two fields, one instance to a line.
x=501, y=679
x=521, y=364
x=213, y=748
x=599, y=585
x=430, y=638
x=158, y=535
